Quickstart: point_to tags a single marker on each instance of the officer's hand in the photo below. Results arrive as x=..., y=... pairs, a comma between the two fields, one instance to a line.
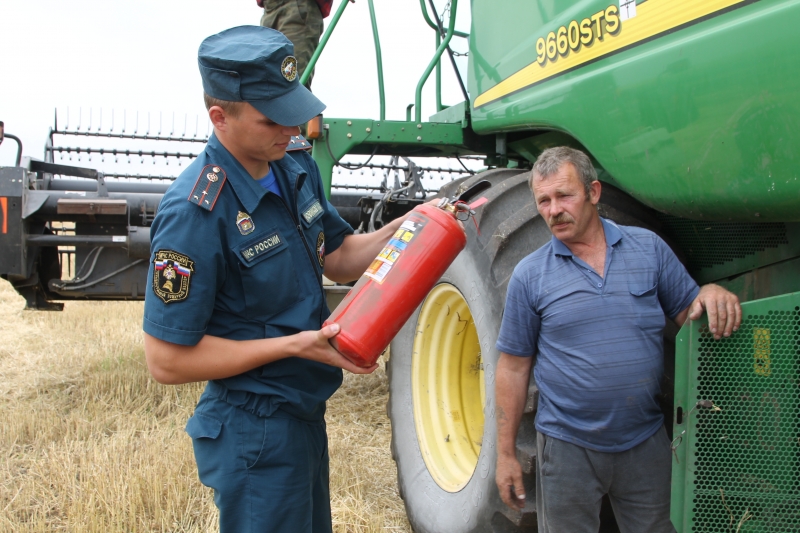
x=722, y=306
x=314, y=345
x=509, y=482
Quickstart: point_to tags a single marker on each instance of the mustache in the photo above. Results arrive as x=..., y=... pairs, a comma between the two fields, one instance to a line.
x=560, y=219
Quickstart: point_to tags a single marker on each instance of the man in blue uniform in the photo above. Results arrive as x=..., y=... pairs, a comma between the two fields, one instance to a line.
x=590, y=306
x=239, y=246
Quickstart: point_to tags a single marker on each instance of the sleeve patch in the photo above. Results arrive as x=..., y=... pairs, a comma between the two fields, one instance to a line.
x=171, y=276
x=321, y=249
x=208, y=187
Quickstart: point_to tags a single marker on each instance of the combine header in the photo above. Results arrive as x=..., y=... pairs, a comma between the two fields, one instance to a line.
x=71, y=231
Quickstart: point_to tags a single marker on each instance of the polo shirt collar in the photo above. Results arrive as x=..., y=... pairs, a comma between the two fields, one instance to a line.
x=247, y=190
x=611, y=230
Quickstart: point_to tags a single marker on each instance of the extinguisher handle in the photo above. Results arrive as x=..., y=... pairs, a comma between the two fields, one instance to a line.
x=474, y=189
x=463, y=211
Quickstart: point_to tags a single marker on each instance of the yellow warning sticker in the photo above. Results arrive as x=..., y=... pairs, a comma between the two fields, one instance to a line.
x=599, y=34
x=382, y=264
x=762, y=352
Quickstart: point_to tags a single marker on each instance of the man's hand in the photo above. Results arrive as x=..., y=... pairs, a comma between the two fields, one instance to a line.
x=509, y=482
x=511, y=390
x=722, y=306
x=314, y=345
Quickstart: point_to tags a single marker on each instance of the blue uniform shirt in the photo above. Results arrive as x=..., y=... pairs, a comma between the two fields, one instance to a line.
x=250, y=268
x=597, y=340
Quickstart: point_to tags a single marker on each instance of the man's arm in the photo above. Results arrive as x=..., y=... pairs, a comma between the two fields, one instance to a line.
x=722, y=306
x=218, y=358
x=357, y=252
x=511, y=392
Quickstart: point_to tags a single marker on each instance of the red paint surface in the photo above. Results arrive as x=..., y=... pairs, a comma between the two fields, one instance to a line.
x=4, y=209
x=372, y=313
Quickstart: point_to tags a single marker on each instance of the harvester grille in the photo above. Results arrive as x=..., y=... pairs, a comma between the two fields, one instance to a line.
x=737, y=432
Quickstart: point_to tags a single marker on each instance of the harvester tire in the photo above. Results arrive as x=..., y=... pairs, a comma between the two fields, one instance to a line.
x=442, y=369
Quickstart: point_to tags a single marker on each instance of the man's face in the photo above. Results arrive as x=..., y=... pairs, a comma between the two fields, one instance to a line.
x=562, y=201
x=256, y=137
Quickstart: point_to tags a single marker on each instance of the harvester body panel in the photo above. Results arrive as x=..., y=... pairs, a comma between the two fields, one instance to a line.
x=690, y=107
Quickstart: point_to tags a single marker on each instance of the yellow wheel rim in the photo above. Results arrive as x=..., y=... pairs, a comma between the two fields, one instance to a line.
x=447, y=388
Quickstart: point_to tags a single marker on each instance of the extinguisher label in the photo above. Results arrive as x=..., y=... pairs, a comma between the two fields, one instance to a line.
x=409, y=225
x=378, y=271
x=383, y=264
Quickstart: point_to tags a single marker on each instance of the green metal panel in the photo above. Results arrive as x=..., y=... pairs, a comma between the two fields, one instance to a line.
x=420, y=139
x=701, y=121
x=736, y=465
x=763, y=282
x=455, y=114
x=718, y=250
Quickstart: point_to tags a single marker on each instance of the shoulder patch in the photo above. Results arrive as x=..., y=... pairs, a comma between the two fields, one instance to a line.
x=172, y=273
x=209, y=185
x=298, y=143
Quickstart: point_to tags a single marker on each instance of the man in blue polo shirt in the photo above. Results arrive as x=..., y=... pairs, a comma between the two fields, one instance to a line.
x=239, y=246
x=589, y=306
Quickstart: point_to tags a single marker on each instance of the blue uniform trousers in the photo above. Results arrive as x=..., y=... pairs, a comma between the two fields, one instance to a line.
x=269, y=474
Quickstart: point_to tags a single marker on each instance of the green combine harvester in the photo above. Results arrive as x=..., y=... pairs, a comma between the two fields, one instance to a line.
x=690, y=112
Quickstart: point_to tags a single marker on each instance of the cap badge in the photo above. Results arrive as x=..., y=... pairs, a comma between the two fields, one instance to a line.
x=245, y=223
x=289, y=68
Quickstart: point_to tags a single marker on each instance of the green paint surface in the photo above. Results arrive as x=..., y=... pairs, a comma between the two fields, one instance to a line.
x=702, y=122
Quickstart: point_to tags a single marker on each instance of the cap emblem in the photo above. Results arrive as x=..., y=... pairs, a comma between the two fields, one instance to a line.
x=289, y=68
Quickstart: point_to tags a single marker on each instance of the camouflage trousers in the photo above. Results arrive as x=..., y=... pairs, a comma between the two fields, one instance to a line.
x=301, y=22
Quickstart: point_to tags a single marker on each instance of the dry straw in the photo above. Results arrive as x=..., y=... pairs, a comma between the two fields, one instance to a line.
x=92, y=444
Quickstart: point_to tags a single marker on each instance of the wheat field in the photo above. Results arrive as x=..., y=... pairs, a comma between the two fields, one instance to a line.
x=91, y=443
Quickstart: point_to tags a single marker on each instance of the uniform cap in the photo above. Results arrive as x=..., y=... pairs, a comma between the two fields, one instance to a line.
x=257, y=65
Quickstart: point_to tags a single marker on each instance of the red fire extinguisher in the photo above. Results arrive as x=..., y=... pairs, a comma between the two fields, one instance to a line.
x=399, y=279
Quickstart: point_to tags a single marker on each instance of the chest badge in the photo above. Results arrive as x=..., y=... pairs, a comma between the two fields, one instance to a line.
x=321, y=249
x=245, y=223
x=312, y=212
x=171, y=276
